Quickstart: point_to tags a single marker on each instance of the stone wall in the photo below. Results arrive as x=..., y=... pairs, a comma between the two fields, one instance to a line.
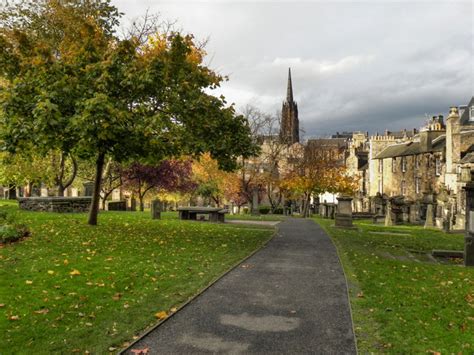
x=55, y=204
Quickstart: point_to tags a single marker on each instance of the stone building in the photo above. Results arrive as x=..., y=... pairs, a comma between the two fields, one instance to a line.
x=414, y=169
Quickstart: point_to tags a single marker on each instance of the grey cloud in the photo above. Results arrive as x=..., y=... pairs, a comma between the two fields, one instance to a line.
x=356, y=66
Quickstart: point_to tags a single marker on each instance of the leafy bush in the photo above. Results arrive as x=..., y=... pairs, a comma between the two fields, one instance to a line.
x=246, y=210
x=264, y=209
x=10, y=231
x=278, y=210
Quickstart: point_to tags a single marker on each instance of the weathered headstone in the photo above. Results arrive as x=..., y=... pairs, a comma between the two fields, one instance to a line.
x=88, y=188
x=156, y=209
x=429, y=216
x=469, y=236
x=133, y=204
x=388, y=215
x=343, y=215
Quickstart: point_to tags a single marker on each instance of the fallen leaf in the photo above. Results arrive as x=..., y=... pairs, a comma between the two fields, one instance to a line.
x=117, y=296
x=28, y=282
x=140, y=351
x=42, y=311
x=14, y=318
x=174, y=309
x=360, y=294
x=75, y=272
x=161, y=315
x=51, y=272
x=2, y=305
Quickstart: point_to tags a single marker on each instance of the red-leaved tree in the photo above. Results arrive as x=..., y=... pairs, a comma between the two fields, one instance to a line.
x=169, y=176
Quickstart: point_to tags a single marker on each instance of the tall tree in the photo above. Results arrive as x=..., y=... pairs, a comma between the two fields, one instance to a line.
x=317, y=171
x=74, y=85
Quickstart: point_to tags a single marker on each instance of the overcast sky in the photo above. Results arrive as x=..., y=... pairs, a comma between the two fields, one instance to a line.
x=355, y=65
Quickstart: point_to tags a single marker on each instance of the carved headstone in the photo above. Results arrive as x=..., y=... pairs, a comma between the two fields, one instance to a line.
x=429, y=216
x=469, y=236
x=388, y=215
x=156, y=209
x=88, y=188
x=343, y=215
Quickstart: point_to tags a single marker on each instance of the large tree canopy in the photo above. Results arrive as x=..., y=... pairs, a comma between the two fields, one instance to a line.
x=68, y=82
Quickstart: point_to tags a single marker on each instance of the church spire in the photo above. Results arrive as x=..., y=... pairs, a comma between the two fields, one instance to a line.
x=289, y=90
x=289, y=126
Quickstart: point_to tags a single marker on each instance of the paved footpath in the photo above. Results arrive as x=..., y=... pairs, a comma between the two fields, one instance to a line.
x=290, y=297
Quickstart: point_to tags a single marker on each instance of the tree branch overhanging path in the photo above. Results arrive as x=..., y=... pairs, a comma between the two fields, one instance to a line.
x=70, y=83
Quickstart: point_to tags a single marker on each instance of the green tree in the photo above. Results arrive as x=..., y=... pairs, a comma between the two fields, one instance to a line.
x=70, y=83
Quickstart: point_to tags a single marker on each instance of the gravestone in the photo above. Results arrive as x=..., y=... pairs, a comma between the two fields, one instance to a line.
x=469, y=236
x=343, y=215
x=133, y=204
x=88, y=188
x=388, y=215
x=429, y=216
x=156, y=209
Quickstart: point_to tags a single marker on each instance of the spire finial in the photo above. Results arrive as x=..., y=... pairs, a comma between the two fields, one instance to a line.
x=289, y=90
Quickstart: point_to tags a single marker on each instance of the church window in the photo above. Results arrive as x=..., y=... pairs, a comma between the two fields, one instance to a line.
x=380, y=166
x=417, y=185
x=417, y=161
x=380, y=186
x=394, y=165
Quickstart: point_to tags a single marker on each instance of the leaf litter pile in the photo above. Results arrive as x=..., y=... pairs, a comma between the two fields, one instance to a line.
x=75, y=288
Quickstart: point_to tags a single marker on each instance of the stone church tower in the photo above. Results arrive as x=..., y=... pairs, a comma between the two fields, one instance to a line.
x=289, y=126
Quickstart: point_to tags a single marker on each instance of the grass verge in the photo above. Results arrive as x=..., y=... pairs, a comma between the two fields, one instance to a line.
x=402, y=300
x=75, y=288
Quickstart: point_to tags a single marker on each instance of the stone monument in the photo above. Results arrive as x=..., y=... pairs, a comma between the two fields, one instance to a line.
x=343, y=216
x=156, y=209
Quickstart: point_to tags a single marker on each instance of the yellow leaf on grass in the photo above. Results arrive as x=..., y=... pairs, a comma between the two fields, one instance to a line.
x=51, y=272
x=14, y=318
x=161, y=315
x=75, y=272
x=28, y=282
x=174, y=309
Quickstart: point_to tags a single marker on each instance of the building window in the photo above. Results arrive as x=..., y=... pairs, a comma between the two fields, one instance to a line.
x=380, y=186
x=438, y=166
x=404, y=164
x=380, y=166
x=471, y=114
x=417, y=161
x=394, y=165
x=403, y=188
x=417, y=185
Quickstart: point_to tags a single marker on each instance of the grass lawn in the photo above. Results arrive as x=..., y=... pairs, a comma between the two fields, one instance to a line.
x=75, y=288
x=402, y=301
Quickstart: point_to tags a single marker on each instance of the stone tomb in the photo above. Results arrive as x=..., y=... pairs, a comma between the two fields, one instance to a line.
x=55, y=204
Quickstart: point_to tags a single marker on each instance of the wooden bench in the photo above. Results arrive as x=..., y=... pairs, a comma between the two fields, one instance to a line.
x=216, y=214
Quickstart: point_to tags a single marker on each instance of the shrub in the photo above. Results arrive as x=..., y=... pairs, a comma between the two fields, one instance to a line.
x=264, y=209
x=246, y=210
x=10, y=231
x=278, y=210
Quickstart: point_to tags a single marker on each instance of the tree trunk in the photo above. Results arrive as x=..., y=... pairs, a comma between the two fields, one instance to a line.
x=61, y=190
x=142, y=205
x=94, y=211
